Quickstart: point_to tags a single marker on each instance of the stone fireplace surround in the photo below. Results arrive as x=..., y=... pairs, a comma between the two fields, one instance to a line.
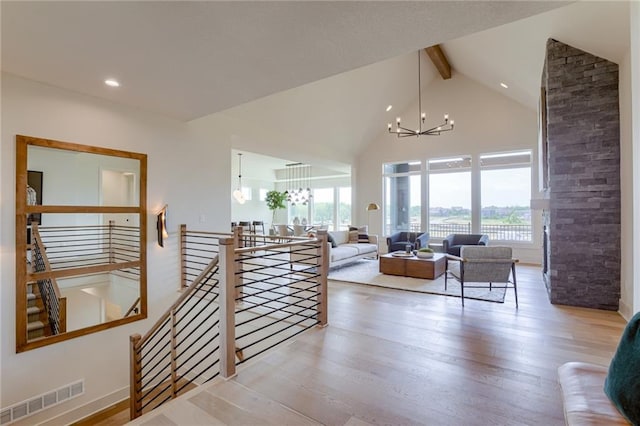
x=581, y=244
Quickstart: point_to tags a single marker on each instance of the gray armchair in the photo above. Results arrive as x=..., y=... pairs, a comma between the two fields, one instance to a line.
x=479, y=264
x=398, y=240
x=453, y=242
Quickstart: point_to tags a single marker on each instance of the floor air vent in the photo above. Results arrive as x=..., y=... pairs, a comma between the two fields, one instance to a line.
x=33, y=405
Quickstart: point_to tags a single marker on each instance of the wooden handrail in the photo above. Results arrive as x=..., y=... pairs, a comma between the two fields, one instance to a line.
x=297, y=242
x=177, y=303
x=35, y=234
x=133, y=306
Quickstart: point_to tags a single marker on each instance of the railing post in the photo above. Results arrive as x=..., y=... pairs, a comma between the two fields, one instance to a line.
x=135, y=384
x=238, y=242
x=227, y=308
x=63, y=314
x=183, y=256
x=112, y=255
x=323, y=266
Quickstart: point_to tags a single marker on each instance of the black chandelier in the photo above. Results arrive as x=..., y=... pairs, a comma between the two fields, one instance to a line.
x=403, y=132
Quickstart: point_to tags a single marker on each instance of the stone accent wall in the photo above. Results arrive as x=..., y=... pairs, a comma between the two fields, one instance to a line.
x=583, y=131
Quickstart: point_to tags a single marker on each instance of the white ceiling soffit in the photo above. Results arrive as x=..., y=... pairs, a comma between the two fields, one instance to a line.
x=514, y=53
x=189, y=59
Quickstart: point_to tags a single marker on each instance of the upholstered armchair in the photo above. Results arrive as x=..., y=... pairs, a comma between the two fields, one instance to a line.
x=479, y=264
x=453, y=242
x=398, y=240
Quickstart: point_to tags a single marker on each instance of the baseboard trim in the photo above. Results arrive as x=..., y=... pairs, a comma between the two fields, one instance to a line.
x=89, y=409
x=625, y=310
x=103, y=414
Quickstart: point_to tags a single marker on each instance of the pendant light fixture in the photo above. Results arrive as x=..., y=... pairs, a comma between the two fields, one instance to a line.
x=237, y=194
x=298, y=184
x=403, y=132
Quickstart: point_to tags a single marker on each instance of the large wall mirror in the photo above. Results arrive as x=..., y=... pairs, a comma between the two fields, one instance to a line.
x=80, y=240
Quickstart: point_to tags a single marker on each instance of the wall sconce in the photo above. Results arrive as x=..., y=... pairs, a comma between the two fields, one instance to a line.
x=161, y=225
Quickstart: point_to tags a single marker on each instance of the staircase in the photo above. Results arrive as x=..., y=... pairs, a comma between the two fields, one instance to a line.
x=37, y=318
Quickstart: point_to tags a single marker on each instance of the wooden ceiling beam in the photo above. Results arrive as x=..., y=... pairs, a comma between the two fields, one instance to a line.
x=439, y=60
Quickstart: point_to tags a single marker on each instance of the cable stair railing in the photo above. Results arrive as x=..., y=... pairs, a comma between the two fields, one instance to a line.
x=50, y=318
x=163, y=361
x=243, y=302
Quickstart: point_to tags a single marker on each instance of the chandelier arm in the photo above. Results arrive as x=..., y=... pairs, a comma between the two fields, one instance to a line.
x=435, y=129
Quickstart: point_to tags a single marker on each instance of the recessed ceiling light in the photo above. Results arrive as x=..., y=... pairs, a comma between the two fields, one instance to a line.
x=504, y=85
x=389, y=108
x=111, y=82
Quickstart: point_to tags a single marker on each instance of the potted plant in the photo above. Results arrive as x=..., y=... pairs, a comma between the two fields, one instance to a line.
x=275, y=200
x=425, y=252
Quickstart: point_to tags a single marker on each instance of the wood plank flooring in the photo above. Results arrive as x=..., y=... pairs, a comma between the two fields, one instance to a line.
x=403, y=358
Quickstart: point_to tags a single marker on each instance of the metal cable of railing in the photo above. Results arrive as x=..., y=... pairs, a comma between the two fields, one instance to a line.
x=90, y=245
x=254, y=298
x=278, y=292
x=182, y=349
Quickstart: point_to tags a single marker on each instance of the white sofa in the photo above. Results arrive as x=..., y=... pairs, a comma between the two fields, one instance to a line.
x=346, y=252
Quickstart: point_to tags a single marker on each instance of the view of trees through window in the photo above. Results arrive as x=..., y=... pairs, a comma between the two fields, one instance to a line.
x=505, y=191
x=330, y=207
x=505, y=194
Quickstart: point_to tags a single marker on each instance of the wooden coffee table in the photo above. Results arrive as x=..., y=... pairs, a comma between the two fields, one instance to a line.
x=413, y=266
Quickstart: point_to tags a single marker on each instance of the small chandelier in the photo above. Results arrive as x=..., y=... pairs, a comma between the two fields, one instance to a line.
x=403, y=132
x=298, y=184
x=237, y=194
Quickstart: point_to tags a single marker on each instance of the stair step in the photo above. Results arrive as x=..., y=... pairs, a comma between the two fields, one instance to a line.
x=35, y=325
x=33, y=310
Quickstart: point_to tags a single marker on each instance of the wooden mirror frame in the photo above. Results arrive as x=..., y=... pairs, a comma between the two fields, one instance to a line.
x=23, y=276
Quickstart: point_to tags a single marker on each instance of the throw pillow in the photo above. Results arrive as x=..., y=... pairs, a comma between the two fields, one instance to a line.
x=622, y=384
x=358, y=234
x=331, y=241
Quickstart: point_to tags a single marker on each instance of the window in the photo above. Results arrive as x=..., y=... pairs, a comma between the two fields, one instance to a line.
x=330, y=207
x=323, y=204
x=344, y=208
x=505, y=193
x=300, y=211
x=402, y=205
x=449, y=196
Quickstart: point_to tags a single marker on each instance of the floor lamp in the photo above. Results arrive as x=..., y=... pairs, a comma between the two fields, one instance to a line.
x=371, y=207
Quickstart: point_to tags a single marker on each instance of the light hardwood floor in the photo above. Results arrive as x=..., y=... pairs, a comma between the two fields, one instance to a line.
x=399, y=358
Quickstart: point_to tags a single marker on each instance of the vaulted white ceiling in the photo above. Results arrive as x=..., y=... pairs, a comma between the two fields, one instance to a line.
x=320, y=73
x=189, y=59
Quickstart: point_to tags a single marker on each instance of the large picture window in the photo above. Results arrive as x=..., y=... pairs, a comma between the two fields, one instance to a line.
x=449, y=196
x=402, y=204
x=505, y=194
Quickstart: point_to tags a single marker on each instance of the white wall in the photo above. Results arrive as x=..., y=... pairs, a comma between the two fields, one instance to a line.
x=635, y=117
x=626, y=190
x=485, y=121
x=185, y=170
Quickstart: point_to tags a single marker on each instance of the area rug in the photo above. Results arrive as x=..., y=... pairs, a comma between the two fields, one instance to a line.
x=367, y=272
